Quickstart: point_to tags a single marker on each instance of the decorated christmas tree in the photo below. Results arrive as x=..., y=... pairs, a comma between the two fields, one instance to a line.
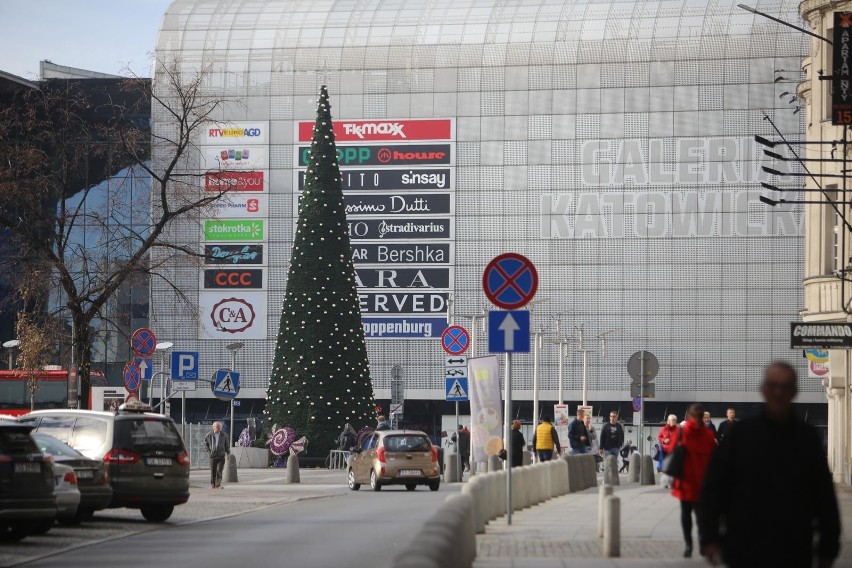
x=321, y=375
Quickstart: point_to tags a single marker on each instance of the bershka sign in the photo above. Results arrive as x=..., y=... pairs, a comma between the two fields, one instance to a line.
x=820, y=335
x=240, y=206
x=246, y=278
x=232, y=315
x=384, y=130
x=233, y=254
x=396, y=155
x=233, y=230
x=241, y=133
x=403, y=254
x=373, y=229
x=392, y=180
x=234, y=181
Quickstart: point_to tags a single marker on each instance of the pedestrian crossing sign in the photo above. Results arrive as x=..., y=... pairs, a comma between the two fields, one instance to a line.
x=457, y=389
x=226, y=384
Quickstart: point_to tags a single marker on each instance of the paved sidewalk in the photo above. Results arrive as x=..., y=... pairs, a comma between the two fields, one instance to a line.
x=562, y=532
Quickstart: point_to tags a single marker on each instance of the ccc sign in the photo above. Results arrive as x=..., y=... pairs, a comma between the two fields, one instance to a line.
x=245, y=279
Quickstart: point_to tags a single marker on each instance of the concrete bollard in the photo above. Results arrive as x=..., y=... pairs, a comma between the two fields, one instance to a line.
x=590, y=475
x=562, y=476
x=451, y=468
x=604, y=491
x=635, y=467
x=527, y=460
x=648, y=471
x=611, y=470
x=481, y=467
x=229, y=475
x=495, y=463
x=575, y=477
x=291, y=475
x=612, y=528
x=475, y=490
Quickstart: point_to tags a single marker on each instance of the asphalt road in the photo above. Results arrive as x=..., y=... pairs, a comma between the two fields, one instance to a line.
x=353, y=529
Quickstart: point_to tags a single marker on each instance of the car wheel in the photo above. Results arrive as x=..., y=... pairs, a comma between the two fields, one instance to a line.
x=375, y=485
x=352, y=485
x=73, y=520
x=157, y=513
x=435, y=485
x=17, y=532
x=41, y=527
x=411, y=486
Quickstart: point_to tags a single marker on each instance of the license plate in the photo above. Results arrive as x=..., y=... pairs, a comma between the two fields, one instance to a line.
x=27, y=467
x=85, y=474
x=158, y=461
x=410, y=473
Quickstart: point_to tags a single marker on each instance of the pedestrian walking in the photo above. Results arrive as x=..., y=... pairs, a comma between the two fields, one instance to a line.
x=578, y=436
x=594, y=446
x=348, y=438
x=626, y=451
x=518, y=445
x=462, y=439
x=612, y=436
x=545, y=440
x=699, y=442
x=725, y=427
x=667, y=437
x=219, y=447
x=770, y=516
x=708, y=423
x=383, y=423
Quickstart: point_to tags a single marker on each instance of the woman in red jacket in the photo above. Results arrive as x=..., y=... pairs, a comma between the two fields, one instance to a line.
x=700, y=443
x=667, y=437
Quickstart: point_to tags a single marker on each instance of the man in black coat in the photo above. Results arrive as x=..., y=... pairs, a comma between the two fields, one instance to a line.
x=725, y=427
x=770, y=515
x=612, y=436
x=578, y=436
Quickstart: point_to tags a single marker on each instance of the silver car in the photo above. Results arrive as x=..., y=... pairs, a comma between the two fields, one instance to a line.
x=66, y=493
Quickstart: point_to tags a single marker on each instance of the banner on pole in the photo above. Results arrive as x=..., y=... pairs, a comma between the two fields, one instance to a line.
x=486, y=420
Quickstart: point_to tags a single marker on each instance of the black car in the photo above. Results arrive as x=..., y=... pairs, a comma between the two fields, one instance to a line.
x=26, y=482
x=92, y=477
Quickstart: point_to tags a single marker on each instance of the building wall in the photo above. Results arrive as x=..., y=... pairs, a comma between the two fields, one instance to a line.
x=610, y=142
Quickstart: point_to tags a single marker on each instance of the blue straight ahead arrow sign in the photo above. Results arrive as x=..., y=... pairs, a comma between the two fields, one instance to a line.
x=509, y=332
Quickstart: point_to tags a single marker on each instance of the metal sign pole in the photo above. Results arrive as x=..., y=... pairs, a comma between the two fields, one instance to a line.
x=536, y=348
x=508, y=436
x=183, y=414
x=641, y=398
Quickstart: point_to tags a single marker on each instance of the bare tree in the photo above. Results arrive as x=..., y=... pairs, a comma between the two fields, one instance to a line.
x=81, y=198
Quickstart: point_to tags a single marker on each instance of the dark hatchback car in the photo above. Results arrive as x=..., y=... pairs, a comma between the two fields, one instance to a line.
x=26, y=483
x=92, y=477
x=147, y=461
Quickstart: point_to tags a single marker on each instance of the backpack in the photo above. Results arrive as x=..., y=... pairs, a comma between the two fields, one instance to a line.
x=656, y=453
x=625, y=452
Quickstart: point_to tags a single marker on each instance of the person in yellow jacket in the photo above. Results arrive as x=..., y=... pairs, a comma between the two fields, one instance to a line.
x=545, y=439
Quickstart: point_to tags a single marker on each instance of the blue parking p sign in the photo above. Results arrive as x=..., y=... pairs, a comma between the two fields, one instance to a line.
x=185, y=365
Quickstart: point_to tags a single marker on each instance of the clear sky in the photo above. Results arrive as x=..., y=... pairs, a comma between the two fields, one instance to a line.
x=99, y=35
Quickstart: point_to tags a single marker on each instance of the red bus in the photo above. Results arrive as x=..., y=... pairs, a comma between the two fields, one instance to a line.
x=52, y=391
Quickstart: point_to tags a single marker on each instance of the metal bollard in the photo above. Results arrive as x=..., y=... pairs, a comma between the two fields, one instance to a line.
x=612, y=528
x=604, y=491
x=229, y=475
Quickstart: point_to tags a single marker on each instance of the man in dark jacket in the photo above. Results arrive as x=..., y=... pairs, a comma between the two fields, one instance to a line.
x=578, y=436
x=725, y=427
x=770, y=517
x=463, y=446
x=612, y=436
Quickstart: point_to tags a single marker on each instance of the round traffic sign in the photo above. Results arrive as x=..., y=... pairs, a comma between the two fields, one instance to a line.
x=635, y=366
x=131, y=398
x=510, y=281
x=455, y=340
x=143, y=342
x=132, y=376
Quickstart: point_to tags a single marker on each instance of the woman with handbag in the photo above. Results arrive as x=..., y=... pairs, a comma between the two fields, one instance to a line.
x=697, y=442
x=668, y=437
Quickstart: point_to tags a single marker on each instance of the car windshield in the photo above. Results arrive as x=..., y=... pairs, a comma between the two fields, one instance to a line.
x=147, y=433
x=407, y=443
x=54, y=447
x=17, y=441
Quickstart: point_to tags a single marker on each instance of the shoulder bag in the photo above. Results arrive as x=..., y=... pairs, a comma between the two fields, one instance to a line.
x=673, y=462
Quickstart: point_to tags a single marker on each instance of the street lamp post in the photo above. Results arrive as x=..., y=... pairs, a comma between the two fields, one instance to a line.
x=162, y=347
x=10, y=345
x=233, y=348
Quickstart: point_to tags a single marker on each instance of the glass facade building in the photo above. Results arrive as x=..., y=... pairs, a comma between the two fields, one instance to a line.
x=611, y=142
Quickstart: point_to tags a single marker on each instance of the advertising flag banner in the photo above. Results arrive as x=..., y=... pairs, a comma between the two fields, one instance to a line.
x=486, y=415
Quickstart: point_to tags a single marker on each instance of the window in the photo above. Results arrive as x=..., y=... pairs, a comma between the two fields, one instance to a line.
x=140, y=434
x=89, y=434
x=57, y=426
x=407, y=444
x=833, y=232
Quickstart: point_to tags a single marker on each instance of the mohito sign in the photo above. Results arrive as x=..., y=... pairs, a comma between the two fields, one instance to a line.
x=232, y=315
x=392, y=180
x=234, y=181
x=373, y=229
x=396, y=155
x=384, y=130
x=234, y=278
x=233, y=254
x=820, y=335
x=399, y=253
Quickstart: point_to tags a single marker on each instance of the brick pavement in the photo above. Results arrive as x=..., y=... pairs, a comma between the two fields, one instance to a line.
x=562, y=532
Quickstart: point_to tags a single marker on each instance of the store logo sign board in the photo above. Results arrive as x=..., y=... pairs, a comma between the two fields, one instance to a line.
x=387, y=155
x=403, y=253
x=232, y=315
x=395, y=229
x=430, y=179
x=233, y=230
x=235, y=133
x=402, y=303
x=233, y=254
x=820, y=335
x=246, y=278
x=403, y=327
x=384, y=130
x=235, y=181
x=239, y=206
x=222, y=158
x=413, y=278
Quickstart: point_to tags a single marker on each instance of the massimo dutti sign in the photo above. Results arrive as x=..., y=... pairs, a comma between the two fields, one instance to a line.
x=820, y=335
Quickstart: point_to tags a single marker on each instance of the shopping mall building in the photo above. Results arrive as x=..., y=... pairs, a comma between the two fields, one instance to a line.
x=610, y=142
